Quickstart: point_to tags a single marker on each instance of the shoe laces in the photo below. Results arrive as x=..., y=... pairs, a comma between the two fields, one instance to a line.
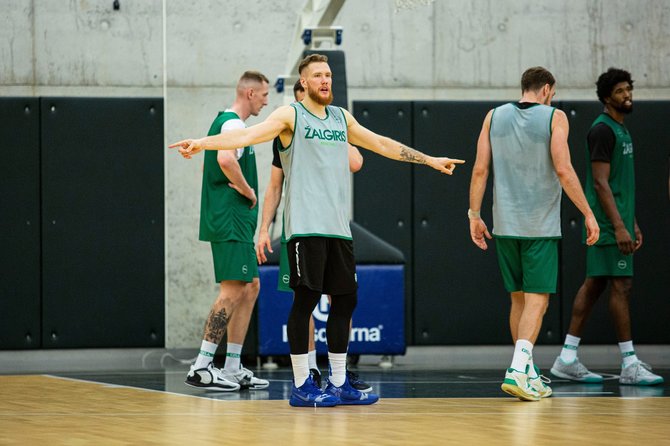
x=311, y=387
x=246, y=372
x=216, y=371
x=581, y=368
x=642, y=369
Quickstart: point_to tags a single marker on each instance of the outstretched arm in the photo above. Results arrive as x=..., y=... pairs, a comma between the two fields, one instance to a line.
x=480, y=175
x=560, y=154
x=279, y=121
x=360, y=136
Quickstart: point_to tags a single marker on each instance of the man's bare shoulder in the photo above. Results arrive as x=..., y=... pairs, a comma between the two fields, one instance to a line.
x=561, y=113
x=559, y=119
x=284, y=113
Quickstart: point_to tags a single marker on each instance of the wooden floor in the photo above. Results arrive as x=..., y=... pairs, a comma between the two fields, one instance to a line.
x=49, y=410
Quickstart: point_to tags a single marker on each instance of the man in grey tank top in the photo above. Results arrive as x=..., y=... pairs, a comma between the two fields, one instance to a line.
x=527, y=144
x=314, y=136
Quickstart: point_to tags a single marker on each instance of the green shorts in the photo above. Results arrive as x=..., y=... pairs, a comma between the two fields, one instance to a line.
x=234, y=261
x=607, y=260
x=529, y=265
x=284, y=270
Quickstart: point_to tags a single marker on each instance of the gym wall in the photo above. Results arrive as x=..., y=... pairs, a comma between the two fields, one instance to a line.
x=82, y=223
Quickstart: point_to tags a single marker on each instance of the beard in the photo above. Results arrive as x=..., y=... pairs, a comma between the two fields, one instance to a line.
x=622, y=108
x=314, y=95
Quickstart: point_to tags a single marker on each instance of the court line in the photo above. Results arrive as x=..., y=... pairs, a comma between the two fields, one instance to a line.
x=121, y=386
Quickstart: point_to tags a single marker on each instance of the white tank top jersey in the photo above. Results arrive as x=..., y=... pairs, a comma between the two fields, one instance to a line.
x=316, y=169
x=526, y=190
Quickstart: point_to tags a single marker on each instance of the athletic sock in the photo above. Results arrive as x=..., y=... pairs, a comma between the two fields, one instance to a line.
x=206, y=355
x=627, y=353
x=312, y=359
x=233, y=353
x=569, y=350
x=523, y=352
x=300, y=364
x=338, y=368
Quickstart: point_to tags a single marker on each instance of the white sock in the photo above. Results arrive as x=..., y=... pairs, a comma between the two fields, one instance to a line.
x=312, y=359
x=233, y=353
x=523, y=352
x=206, y=355
x=338, y=368
x=300, y=365
x=627, y=353
x=569, y=350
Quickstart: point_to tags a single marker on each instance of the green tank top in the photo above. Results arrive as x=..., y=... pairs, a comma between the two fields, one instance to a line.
x=224, y=213
x=526, y=190
x=316, y=171
x=621, y=181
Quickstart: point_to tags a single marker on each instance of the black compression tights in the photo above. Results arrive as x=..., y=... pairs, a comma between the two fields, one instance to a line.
x=337, y=328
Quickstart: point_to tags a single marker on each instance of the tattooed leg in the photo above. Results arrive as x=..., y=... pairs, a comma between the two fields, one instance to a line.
x=216, y=324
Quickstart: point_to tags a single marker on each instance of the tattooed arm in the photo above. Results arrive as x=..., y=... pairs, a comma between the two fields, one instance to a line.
x=360, y=136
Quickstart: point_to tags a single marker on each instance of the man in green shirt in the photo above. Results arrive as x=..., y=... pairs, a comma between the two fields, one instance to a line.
x=610, y=190
x=228, y=217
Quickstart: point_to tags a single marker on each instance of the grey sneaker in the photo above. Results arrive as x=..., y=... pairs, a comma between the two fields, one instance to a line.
x=575, y=371
x=639, y=374
x=246, y=379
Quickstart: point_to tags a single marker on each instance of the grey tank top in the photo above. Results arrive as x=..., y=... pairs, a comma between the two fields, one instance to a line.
x=316, y=170
x=526, y=190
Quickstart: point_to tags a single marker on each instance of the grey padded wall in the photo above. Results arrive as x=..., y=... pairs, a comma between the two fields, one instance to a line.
x=20, y=224
x=650, y=303
x=102, y=222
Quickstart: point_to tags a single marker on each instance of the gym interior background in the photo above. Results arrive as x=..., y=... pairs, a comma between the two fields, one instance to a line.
x=99, y=220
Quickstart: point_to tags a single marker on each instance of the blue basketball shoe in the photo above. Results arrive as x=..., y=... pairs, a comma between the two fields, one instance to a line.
x=346, y=394
x=308, y=395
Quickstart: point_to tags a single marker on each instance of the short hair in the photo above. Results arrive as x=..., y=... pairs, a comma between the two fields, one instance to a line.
x=298, y=87
x=251, y=76
x=312, y=58
x=535, y=78
x=608, y=80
